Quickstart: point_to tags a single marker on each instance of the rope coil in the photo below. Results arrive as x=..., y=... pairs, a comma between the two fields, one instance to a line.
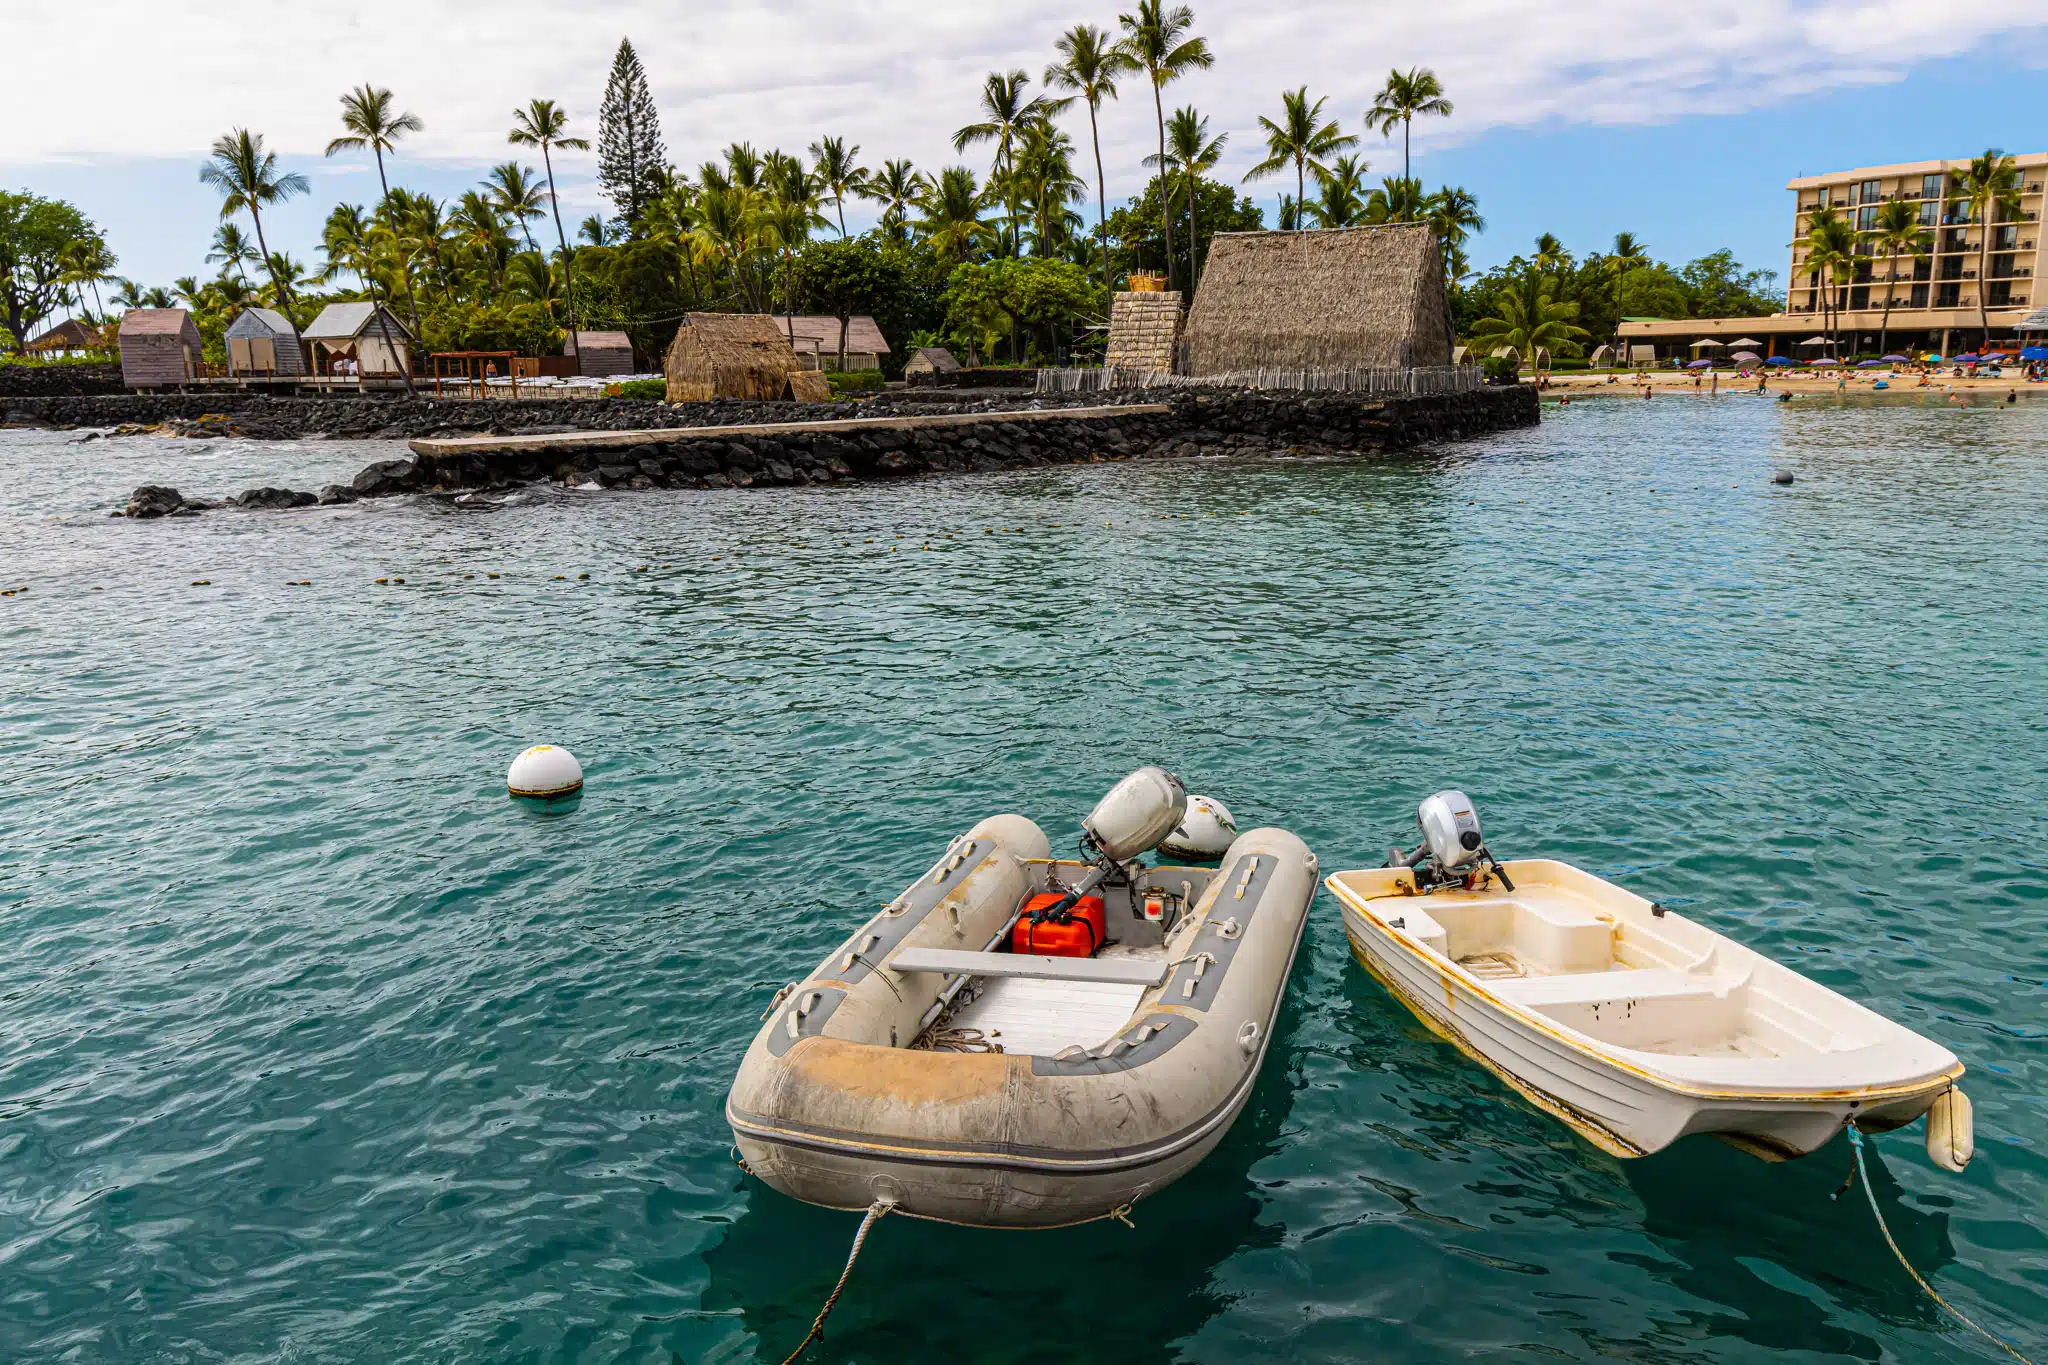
x=817, y=1333
x=1862, y=1172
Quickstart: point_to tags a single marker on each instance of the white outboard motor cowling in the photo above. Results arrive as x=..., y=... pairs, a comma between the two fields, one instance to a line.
x=1206, y=832
x=1136, y=814
x=1450, y=825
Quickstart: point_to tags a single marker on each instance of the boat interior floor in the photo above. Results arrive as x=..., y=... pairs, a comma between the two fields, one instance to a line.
x=1040, y=1018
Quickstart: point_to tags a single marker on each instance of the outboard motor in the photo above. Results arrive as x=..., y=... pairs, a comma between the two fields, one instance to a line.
x=1452, y=847
x=1131, y=818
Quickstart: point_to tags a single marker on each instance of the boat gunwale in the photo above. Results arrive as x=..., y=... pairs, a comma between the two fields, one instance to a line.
x=1450, y=973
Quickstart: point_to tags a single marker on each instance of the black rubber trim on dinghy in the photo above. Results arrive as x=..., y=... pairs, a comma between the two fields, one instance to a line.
x=890, y=930
x=811, y=1025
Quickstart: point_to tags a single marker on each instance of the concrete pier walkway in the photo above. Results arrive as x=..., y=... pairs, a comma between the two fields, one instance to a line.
x=579, y=441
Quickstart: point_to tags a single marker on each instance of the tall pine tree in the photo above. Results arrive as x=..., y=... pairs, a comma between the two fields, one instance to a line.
x=632, y=163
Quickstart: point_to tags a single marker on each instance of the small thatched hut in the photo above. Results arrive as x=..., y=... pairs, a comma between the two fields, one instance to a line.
x=70, y=335
x=159, y=347
x=600, y=353
x=737, y=355
x=1144, y=330
x=1341, y=298
x=930, y=360
x=262, y=341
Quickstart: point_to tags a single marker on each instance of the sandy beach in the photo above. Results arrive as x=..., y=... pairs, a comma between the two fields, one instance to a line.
x=1973, y=391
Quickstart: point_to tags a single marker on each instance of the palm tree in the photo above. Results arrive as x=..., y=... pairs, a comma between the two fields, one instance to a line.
x=1044, y=179
x=596, y=231
x=247, y=177
x=541, y=124
x=952, y=221
x=513, y=190
x=1008, y=115
x=368, y=115
x=84, y=262
x=1628, y=253
x=1090, y=62
x=1401, y=99
x=1156, y=42
x=897, y=187
x=1898, y=231
x=1301, y=138
x=1340, y=201
x=839, y=171
x=1190, y=153
x=1529, y=320
x=1831, y=252
x=1397, y=200
x=231, y=250
x=1453, y=215
x=1990, y=189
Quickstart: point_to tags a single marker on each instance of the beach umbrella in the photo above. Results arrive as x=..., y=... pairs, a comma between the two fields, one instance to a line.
x=1697, y=364
x=1746, y=357
x=1868, y=364
x=1745, y=341
x=1814, y=341
x=1970, y=358
x=2035, y=353
x=1823, y=362
x=1994, y=355
x=1779, y=360
x=1899, y=359
x=1931, y=358
x=1703, y=342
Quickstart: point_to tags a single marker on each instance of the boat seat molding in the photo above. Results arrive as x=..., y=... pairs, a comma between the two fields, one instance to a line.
x=1594, y=988
x=1123, y=971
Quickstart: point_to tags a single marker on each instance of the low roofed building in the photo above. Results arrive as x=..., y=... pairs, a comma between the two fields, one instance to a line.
x=930, y=360
x=370, y=338
x=263, y=342
x=819, y=337
x=1341, y=298
x=737, y=355
x=160, y=348
x=600, y=353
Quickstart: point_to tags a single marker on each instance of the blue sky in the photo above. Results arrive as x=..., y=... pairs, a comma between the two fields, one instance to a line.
x=1677, y=125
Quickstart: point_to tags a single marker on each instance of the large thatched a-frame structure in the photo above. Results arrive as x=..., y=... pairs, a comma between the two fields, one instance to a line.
x=1334, y=299
x=737, y=355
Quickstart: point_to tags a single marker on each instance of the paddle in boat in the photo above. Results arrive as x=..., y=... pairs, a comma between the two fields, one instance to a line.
x=1024, y=1041
x=1626, y=1021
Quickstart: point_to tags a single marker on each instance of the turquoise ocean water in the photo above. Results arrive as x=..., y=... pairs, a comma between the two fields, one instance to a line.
x=314, y=1047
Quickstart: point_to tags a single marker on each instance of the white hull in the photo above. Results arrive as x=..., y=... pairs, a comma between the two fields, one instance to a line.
x=1656, y=1030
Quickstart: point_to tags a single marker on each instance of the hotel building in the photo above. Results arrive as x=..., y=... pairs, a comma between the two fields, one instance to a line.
x=1934, y=301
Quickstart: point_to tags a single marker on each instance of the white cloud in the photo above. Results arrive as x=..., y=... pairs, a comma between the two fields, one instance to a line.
x=897, y=76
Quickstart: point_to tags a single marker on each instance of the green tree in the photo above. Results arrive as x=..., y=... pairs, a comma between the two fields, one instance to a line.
x=1006, y=113
x=897, y=187
x=1190, y=154
x=1453, y=214
x=1397, y=200
x=1301, y=138
x=1156, y=40
x=541, y=124
x=1090, y=63
x=1529, y=319
x=518, y=197
x=1340, y=194
x=1831, y=255
x=1898, y=233
x=1405, y=95
x=1135, y=228
x=952, y=220
x=247, y=177
x=1628, y=255
x=369, y=115
x=840, y=172
x=36, y=235
x=1026, y=300
x=1990, y=188
x=632, y=162
x=845, y=278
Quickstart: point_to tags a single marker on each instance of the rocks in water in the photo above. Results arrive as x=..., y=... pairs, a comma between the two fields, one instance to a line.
x=337, y=493
x=273, y=499
x=387, y=477
x=154, y=500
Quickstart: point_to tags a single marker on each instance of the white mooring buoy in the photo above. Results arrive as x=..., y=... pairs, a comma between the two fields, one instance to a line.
x=544, y=770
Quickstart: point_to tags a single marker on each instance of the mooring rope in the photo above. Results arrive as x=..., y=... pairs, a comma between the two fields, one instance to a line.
x=1863, y=1171
x=817, y=1332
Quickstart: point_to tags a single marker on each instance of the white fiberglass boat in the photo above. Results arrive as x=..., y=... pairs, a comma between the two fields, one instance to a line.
x=1632, y=1024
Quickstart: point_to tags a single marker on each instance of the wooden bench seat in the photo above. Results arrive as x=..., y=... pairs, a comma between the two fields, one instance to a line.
x=1127, y=971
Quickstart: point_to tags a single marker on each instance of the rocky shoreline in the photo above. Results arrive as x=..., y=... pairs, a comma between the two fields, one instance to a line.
x=892, y=443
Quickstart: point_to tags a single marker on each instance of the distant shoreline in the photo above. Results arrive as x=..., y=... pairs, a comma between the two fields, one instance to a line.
x=1977, y=392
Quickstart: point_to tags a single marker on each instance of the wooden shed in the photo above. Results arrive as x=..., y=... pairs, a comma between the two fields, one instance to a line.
x=1338, y=298
x=600, y=353
x=930, y=360
x=160, y=347
x=357, y=333
x=865, y=344
x=737, y=355
x=263, y=343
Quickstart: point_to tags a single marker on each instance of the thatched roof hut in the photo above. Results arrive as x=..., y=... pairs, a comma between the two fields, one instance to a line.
x=1340, y=298
x=159, y=347
x=69, y=335
x=600, y=353
x=262, y=341
x=735, y=355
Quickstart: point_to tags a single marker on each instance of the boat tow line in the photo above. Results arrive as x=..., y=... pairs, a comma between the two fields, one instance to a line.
x=1862, y=1171
x=874, y=1215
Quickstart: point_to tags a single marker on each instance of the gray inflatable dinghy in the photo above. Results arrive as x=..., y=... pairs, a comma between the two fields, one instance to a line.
x=928, y=1066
